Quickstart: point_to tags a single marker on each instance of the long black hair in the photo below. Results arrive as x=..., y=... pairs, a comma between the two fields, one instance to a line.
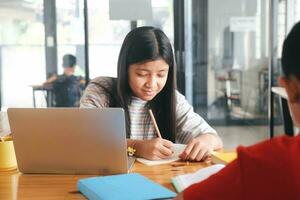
x=290, y=58
x=148, y=44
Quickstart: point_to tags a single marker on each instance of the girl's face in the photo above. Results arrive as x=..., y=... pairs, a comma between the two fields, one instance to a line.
x=147, y=79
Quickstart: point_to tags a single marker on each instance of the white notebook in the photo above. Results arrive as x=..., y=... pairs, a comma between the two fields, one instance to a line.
x=183, y=181
x=178, y=148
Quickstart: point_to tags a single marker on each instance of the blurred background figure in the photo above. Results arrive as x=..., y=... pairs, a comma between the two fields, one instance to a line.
x=67, y=88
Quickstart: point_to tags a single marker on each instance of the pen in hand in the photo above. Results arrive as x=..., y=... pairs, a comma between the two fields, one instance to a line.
x=154, y=123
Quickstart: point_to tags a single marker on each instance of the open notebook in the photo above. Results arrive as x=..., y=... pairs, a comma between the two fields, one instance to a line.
x=178, y=148
x=183, y=181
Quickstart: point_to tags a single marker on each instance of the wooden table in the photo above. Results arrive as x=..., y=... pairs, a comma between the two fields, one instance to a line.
x=14, y=185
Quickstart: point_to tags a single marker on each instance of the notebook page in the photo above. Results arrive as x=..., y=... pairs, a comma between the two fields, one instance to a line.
x=188, y=179
x=178, y=148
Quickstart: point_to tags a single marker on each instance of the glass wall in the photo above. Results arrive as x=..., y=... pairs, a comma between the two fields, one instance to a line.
x=237, y=60
x=70, y=33
x=163, y=17
x=22, y=35
x=22, y=55
x=105, y=39
x=228, y=86
x=106, y=36
x=228, y=83
x=229, y=58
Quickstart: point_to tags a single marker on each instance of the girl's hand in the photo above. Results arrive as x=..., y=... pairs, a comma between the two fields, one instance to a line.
x=154, y=149
x=179, y=196
x=199, y=148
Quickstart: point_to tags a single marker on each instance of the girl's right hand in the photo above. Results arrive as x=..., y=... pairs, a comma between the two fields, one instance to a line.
x=154, y=149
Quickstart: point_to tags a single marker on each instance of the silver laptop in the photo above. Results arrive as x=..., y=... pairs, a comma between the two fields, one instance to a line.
x=69, y=140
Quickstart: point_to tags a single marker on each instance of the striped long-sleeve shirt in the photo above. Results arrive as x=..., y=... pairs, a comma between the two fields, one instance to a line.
x=140, y=128
x=188, y=123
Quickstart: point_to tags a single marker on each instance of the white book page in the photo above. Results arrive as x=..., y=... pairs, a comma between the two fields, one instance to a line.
x=178, y=148
x=188, y=179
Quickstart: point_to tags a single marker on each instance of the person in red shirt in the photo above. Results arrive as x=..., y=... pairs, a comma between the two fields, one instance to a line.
x=270, y=169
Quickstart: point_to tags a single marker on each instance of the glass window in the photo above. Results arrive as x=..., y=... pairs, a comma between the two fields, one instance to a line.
x=105, y=39
x=297, y=9
x=22, y=52
x=162, y=17
x=237, y=66
x=70, y=33
x=237, y=74
x=106, y=36
x=281, y=25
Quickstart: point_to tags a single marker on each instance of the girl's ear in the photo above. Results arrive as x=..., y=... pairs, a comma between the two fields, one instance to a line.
x=281, y=81
x=291, y=86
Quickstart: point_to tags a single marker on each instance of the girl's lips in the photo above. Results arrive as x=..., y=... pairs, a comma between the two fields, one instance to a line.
x=149, y=93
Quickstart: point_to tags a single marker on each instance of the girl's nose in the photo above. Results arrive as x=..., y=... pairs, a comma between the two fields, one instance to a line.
x=151, y=82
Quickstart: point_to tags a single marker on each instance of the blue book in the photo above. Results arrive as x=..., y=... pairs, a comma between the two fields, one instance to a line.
x=125, y=186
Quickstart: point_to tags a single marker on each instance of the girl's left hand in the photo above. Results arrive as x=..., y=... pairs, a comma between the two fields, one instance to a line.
x=199, y=148
x=179, y=196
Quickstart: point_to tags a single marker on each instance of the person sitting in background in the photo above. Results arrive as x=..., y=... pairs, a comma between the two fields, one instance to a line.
x=270, y=169
x=67, y=87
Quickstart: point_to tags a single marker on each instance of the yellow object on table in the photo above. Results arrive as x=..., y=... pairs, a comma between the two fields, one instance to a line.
x=7, y=154
x=130, y=151
x=223, y=157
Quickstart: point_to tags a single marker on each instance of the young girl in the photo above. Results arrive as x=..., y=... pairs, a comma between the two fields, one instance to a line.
x=146, y=80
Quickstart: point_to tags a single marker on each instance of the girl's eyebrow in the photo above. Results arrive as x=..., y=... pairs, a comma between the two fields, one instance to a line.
x=143, y=69
x=166, y=69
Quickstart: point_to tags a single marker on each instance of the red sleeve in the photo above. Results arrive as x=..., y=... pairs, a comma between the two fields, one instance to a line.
x=224, y=185
x=267, y=170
